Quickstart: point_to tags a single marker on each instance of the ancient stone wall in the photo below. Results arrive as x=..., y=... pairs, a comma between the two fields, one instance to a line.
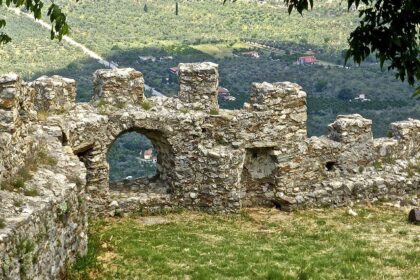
x=216, y=159
x=208, y=158
x=43, y=217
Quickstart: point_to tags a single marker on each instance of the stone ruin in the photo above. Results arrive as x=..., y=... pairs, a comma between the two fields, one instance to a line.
x=208, y=158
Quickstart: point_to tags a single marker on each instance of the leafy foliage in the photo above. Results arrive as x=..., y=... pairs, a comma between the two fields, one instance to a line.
x=390, y=30
x=125, y=157
x=57, y=17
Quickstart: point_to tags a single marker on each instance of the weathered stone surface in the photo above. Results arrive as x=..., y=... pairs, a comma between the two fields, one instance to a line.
x=216, y=160
x=351, y=129
x=47, y=229
x=54, y=94
x=118, y=87
x=198, y=84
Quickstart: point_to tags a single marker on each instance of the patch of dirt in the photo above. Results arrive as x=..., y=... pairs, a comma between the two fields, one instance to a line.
x=268, y=214
x=153, y=220
x=107, y=257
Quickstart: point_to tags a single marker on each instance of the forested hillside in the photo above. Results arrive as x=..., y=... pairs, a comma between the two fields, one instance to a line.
x=148, y=36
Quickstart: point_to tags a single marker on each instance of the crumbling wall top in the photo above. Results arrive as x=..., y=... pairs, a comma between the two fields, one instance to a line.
x=10, y=95
x=406, y=129
x=276, y=96
x=54, y=94
x=199, y=83
x=351, y=129
x=118, y=86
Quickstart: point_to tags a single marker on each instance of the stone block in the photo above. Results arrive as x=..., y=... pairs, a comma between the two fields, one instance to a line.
x=54, y=94
x=406, y=130
x=278, y=97
x=351, y=129
x=118, y=87
x=199, y=83
x=10, y=90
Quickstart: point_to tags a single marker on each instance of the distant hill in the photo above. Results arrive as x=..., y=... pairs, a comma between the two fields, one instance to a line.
x=121, y=31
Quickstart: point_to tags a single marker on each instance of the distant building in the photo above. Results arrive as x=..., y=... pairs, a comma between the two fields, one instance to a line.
x=147, y=58
x=148, y=154
x=229, y=98
x=222, y=91
x=252, y=54
x=169, y=57
x=174, y=70
x=362, y=98
x=309, y=59
x=225, y=94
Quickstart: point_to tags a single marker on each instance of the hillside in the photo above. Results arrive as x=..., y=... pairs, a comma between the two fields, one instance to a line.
x=123, y=32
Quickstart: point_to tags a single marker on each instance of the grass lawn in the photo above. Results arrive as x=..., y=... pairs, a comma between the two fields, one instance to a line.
x=255, y=244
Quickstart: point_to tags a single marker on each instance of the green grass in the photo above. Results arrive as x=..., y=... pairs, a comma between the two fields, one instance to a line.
x=255, y=244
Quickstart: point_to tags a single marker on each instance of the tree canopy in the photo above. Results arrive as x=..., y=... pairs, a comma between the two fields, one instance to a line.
x=388, y=29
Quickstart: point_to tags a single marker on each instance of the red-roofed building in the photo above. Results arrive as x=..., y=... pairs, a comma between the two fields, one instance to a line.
x=222, y=91
x=148, y=154
x=174, y=70
x=310, y=59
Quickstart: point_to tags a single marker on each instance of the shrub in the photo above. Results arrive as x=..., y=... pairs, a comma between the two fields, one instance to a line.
x=413, y=168
x=388, y=159
x=18, y=183
x=17, y=202
x=44, y=158
x=214, y=111
x=31, y=192
x=377, y=165
x=76, y=180
x=42, y=115
x=120, y=105
x=147, y=104
x=184, y=110
x=2, y=223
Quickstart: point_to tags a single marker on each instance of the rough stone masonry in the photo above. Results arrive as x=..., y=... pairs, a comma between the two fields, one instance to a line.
x=208, y=158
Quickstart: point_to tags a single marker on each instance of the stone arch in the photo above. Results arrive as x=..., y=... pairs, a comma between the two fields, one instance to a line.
x=165, y=159
x=131, y=156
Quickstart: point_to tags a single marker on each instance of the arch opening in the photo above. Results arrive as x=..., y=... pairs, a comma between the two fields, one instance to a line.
x=132, y=156
x=140, y=160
